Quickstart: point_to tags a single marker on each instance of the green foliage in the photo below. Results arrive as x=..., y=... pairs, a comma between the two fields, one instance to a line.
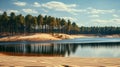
x=47, y=24
x=40, y=20
x=99, y=30
x=4, y=22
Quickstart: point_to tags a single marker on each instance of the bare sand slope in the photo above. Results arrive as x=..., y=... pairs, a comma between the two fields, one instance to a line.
x=46, y=36
x=58, y=61
x=33, y=37
x=40, y=37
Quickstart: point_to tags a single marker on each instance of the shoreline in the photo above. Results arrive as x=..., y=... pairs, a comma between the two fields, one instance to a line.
x=54, y=61
x=48, y=37
x=40, y=37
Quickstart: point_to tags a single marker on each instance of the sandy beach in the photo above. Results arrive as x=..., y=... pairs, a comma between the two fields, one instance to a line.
x=40, y=37
x=58, y=61
x=43, y=61
x=45, y=37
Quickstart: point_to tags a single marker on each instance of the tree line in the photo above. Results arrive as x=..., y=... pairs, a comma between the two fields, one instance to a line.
x=107, y=30
x=16, y=24
x=19, y=24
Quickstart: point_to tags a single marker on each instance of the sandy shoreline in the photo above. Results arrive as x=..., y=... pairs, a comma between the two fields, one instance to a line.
x=40, y=37
x=58, y=61
x=21, y=61
x=32, y=37
x=45, y=37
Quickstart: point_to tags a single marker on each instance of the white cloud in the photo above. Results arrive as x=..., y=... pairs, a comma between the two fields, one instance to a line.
x=45, y=10
x=20, y=3
x=29, y=11
x=116, y=20
x=1, y=11
x=100, y=21
x=69, y=18
x=36, y=4
x=106, y=21
x=99, y=11
x=59, y=6
x=114, y=15
x=94, y=16
x=9, y=11
x=15, y=11
x=44, y=14
x=71, y=8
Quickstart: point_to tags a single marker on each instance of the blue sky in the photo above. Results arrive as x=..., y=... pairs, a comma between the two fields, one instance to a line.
x=83, y=12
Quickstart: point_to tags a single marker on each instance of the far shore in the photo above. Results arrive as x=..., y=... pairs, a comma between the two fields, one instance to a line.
x=46, y=36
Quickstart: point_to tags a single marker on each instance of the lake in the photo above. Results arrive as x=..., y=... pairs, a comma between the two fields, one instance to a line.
x=79, y=47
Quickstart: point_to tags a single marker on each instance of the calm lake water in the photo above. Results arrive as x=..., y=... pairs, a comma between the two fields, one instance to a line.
x=81, y=47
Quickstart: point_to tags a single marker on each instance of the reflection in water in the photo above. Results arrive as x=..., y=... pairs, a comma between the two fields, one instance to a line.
x=64, y=49
x=38, y=49
x=98, y=45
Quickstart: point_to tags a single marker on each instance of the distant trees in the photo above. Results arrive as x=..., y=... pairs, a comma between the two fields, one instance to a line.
x=13, y=23
x=69, y=27
x=52, y=24
x=40, y=22
x=28, y=23
x=34, y=23
x=63, y=25
x=99, y=30
x=18, y=24
x=75, y=28
x=4, y=22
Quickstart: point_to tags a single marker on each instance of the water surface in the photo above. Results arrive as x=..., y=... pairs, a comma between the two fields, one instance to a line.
x=81, y=47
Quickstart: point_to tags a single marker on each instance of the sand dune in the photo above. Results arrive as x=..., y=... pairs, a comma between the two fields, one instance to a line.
x=32, y=37
x=45, y=37
x=39, y=37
